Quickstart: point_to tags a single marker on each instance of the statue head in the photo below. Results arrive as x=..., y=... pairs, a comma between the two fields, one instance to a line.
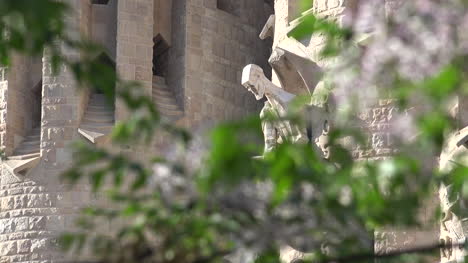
x=252, y=78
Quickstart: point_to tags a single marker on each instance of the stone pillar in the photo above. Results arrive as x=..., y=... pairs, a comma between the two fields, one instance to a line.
x=16, y=102
x=177, y=54
x=61, y=107
x=35, y=209
x=3, y=107
x=134, y=46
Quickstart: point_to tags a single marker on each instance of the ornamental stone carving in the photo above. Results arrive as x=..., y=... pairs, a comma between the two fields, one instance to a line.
x=254, y=80
x=452, y=233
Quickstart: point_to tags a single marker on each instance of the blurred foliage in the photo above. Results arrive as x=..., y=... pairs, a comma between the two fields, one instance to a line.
x=232, y=201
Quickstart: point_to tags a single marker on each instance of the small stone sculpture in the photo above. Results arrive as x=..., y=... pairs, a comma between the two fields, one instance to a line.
x=254, y=80
x=451, y=229
x=270, y=133
x=278, y=101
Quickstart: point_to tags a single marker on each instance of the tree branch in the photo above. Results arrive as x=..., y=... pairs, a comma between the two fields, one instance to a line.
x=370, y=255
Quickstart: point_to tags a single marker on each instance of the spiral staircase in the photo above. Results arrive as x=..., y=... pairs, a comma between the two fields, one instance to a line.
x=165, y=100
x=98, y=119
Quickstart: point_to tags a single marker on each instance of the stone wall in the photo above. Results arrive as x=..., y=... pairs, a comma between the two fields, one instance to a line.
x=134, y=45
x=375, y=120
x=21, y=101
x=37, y=207
x=104, y=26
x=218, y=45
x=177, y=53
x=33, y=213
x=3, y=106
x=85, y=13
x=163, y=14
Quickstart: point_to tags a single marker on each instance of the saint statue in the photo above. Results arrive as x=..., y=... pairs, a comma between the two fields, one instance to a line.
x=278, y=100
x=452, y=234
x=277, y=105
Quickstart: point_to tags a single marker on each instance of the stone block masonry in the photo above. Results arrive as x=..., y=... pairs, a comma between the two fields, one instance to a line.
x=37, y=207
x=210, y=42
x=219, y=43
x=3, y=104
x=134, y=45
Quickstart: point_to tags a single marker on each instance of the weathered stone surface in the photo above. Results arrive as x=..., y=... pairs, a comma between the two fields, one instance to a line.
x=39, y=245
x=392, y=240
x=209, y=42
x=452, y=231
x=8, y=248
x=24, y=246
x=30, y=216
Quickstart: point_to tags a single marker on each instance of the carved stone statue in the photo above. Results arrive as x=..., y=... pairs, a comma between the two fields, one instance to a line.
x=451, y=229
x=270, y=133
x=254, y=80
x=455, y=150
x=296, y=74
x=316, y=114
x=451, y=226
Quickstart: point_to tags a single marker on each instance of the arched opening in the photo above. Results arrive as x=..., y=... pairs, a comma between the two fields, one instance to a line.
x=37, y=105
x=99, y=2
x=24, y=106
x=160, y=56
x=164, y=56
x=106, y=71
x=30, y=145
x=162, y=37
x=163, y=97
x=230, y=6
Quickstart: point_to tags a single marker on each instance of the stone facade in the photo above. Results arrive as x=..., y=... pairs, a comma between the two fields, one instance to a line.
x=41, y=113
x=202, y=47
x=218, y=45
x=293, y=57
x=3, y=97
